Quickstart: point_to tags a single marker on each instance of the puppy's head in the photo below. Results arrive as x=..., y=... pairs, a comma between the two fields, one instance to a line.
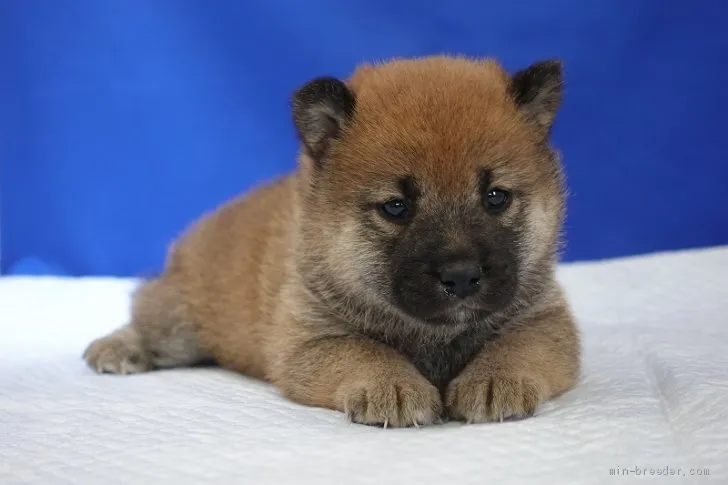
x=429, y=187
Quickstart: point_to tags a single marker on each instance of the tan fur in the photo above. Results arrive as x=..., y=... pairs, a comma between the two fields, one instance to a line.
x=249, y=284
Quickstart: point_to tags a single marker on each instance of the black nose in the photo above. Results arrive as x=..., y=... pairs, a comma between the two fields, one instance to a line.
x=461, y=279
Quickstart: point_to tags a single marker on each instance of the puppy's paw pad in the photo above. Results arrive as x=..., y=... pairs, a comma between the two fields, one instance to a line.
x=117, y=354
x=393, y=403
x=497, y=397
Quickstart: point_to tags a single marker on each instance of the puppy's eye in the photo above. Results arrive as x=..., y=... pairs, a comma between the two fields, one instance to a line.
x=395, y=210
x=497, y=200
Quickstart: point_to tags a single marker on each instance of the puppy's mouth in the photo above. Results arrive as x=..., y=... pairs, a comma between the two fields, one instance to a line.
x=461, y=313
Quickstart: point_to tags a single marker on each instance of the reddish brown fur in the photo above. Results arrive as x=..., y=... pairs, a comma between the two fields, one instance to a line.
x=234, y=285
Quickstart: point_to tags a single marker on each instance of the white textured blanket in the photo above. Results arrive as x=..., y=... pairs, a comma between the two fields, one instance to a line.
x=653, y=399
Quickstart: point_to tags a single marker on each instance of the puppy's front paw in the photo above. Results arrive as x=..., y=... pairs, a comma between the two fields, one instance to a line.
x=392, y=401
x=120, y=352
x=494, y=396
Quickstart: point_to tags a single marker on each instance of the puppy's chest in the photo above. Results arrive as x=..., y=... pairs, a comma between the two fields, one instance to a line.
x=442, y=362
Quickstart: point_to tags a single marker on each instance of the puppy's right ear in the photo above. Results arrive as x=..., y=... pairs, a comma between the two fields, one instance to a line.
x=321, y=108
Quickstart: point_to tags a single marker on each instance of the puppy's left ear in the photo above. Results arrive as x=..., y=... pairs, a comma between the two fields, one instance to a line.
x=537, y=92
x=321, y=109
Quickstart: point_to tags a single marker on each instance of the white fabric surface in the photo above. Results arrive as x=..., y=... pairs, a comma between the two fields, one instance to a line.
x=654, y=394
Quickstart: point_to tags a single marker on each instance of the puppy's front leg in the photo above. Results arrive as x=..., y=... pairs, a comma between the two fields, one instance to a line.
x=512, y=375
x=372, y=383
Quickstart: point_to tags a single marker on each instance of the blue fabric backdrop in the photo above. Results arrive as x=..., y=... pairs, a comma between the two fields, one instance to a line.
x=122, y=120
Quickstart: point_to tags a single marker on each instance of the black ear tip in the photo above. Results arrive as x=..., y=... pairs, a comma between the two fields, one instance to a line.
x=324, y=90
x=553, y=66
x=553, y=63
x=316, y=83
x=321, y=88
x=547, y=68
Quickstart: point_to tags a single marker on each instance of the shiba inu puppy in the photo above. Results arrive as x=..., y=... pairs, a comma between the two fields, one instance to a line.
x=403, y=273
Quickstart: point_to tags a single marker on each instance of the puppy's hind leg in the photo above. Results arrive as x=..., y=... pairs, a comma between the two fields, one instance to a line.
x=161, y=334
